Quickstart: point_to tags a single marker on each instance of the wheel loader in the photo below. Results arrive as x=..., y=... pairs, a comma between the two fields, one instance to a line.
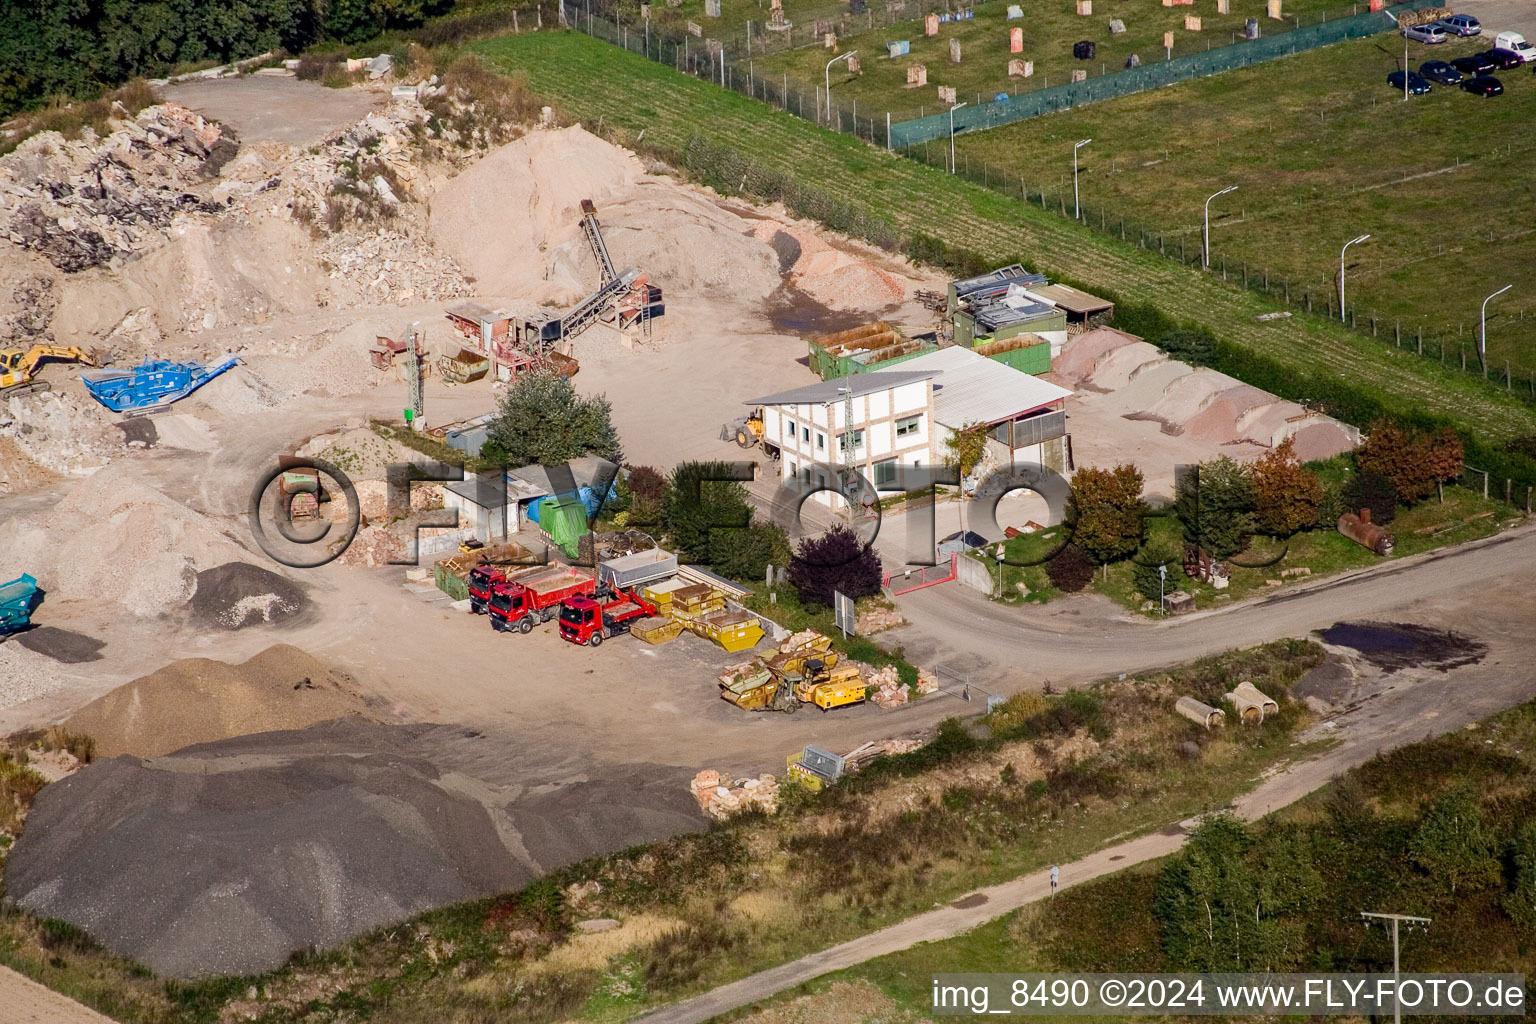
x=18, y=366
x=747, y=432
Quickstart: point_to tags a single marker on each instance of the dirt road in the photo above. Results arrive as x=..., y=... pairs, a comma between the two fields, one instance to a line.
x=1403, y=707
x=24, y=1001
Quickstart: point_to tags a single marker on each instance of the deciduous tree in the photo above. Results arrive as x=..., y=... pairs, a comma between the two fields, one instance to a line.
x=1107, y=512
x=1070, y=570
x=1215, y=503
x=1286, y=494
x=703, y=498
x=1453, y=844
x=1414, y=460
x=542, y=420
x=965, y=447
x=837, y=560
x=1372, y=491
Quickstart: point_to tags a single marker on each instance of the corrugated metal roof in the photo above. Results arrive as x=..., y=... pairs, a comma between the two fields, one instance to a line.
x=830, y=390
x=970, y=388
x=485, y=491
x=1000, y=278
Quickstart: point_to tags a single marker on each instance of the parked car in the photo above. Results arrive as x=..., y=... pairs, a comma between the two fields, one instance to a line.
x=1416, y=85
x=1432, y=33
x=1440, y=71
x=1503, y=60
x=1483, y=85
x=1461, y=25
x=1515, y=43
x=1473, y=66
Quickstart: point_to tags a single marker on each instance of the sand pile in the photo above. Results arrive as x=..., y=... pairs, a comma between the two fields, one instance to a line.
x=1117, y=368
x=197, y=700
x=227, y=857
x=496, y=218
x=1218, y=420
x=684, y=242
x=831, y=276
x=1324, y=438
x=1082, y=354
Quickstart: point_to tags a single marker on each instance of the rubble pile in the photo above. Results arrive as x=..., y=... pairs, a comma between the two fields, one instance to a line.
x=886, y=689
x=34, y=301
x=62, y=432
x=82, y=202
x=394, y=268
x=927, y=683
x=874, y=620
x=720, y=798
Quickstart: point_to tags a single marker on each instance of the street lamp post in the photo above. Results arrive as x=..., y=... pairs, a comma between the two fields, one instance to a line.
x=1482, y=329
x=827, y=75
x=1077, y=206
x=1205, y=245
x=1342, y=317
x=952, y=110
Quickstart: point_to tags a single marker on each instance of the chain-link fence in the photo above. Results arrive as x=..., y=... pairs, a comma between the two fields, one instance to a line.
x=731, y=62
x=1006, y=108
x=1455, y=348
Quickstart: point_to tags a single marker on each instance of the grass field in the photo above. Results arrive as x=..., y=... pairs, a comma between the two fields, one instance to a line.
x=1354, y=833
x=1049, y=30
x=624, y=94
x=1322, y=150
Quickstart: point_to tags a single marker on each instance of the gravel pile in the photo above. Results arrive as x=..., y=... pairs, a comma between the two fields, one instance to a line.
x=238, y=594
x=226, y=858
x=26, y=675
x=62, y=645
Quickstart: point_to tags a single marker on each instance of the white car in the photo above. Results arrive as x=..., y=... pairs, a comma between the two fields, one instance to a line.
x=1425, y=33
x=1515, y=43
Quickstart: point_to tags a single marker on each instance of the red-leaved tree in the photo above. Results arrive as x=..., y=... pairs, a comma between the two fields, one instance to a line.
x=837, y=560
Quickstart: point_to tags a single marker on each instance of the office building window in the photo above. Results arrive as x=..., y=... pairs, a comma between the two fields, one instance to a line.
x=885, y=472
x=821, y=440
x=908, y=425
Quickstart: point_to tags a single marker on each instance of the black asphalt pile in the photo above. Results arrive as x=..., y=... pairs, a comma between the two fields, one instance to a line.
x=226, y=858
x=63, y=645
x=237, y=594
x=1393, y=645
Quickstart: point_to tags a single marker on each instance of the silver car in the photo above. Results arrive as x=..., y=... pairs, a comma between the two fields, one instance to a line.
x=1461, y=25
x=1431, y=34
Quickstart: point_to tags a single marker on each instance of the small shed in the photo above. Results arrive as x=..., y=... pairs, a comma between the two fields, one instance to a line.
x=1079, y=306
x=483, y=501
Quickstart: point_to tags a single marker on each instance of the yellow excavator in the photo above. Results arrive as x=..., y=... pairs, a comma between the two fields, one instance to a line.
x=18, y=366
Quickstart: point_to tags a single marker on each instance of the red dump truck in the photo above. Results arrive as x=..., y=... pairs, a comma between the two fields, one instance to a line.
x=584, y=620
x=483, y=579
x=523, y=604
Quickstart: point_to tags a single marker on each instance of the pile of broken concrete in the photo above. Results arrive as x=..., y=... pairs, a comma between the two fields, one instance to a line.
x=82, y=202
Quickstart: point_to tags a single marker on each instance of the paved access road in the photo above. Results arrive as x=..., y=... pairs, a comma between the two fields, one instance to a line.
x=1479, y=590
x=1087, y=638
x=24, y=1001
